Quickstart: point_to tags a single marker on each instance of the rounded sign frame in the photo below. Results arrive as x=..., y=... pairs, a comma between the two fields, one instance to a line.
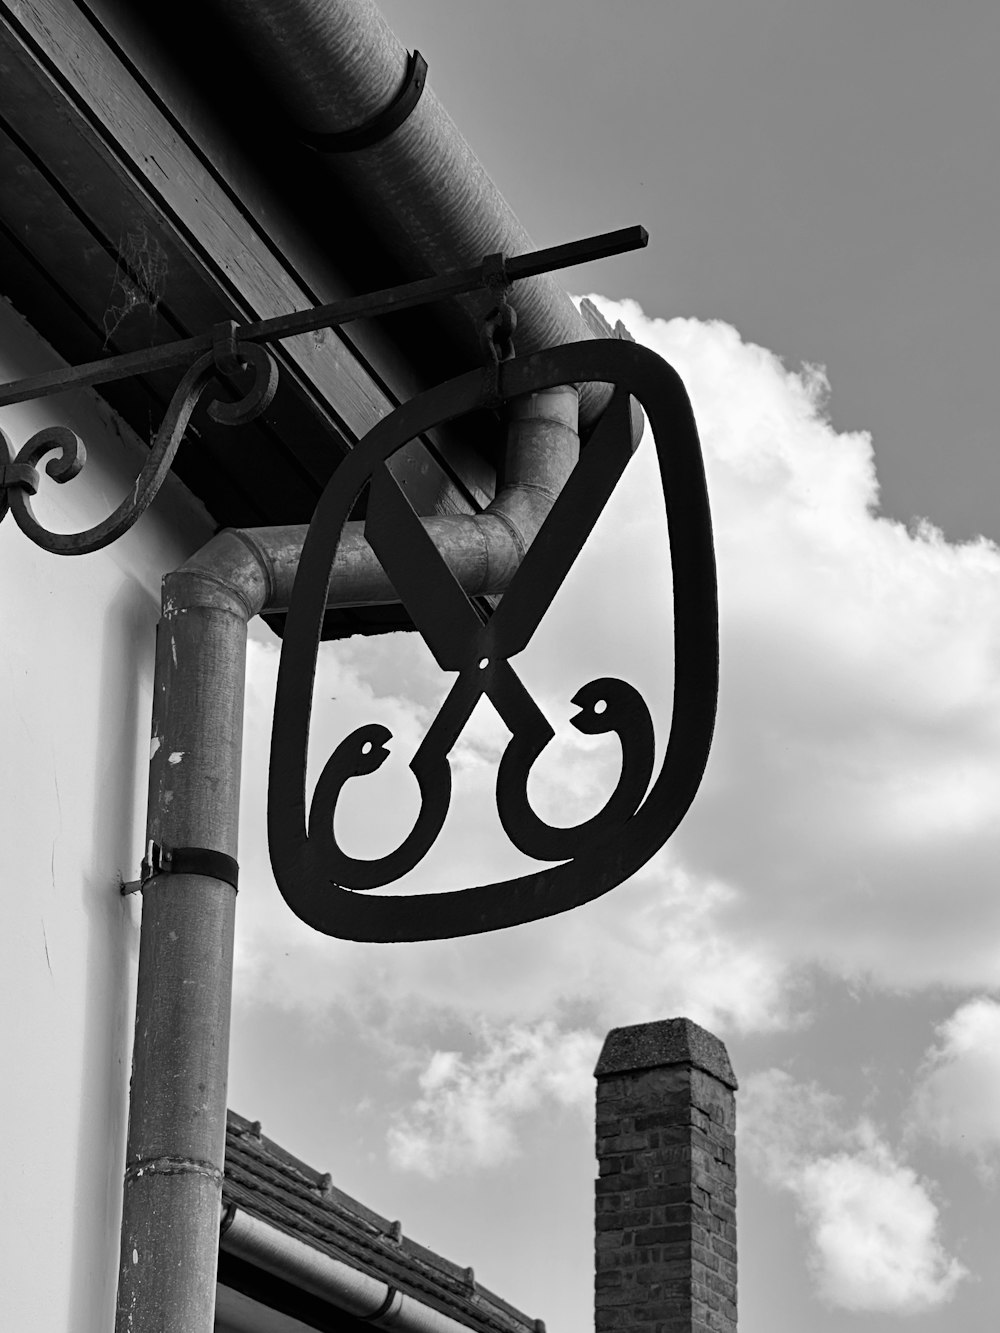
x=301, y=847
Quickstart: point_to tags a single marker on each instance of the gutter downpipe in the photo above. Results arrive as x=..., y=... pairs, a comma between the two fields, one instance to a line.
x=177, y=1114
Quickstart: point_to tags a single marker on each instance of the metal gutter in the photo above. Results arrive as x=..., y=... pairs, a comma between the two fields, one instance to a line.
x=177, y=1113
x=332, y=65
x=292, y=1260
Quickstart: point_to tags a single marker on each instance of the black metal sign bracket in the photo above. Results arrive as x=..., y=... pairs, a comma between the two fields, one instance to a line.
x=225, y=350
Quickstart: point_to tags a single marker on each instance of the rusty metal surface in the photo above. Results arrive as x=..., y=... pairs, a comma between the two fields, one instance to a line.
x=320, y=882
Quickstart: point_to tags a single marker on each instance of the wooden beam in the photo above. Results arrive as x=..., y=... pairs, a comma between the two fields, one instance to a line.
x=160, y=167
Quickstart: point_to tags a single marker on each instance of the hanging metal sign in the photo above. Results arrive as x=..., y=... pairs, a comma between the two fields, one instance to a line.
x=320, y=882
x=325, y=886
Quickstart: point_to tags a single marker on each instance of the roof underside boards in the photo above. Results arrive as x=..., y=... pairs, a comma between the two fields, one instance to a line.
x=273, y=1186
x=128, y=219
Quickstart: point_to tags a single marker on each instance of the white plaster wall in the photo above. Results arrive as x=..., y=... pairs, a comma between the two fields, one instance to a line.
x=76, y=658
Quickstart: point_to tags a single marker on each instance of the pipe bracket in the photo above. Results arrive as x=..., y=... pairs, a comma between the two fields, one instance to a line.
x=392, y=1295
x=383, y=123
x=185, y=861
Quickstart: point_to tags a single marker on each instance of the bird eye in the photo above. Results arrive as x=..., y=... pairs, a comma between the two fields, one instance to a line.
x=366, y=748
x=484, y=663
x=601, y=706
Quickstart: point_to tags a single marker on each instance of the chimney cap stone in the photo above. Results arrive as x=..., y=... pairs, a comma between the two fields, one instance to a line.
x=671, y=1041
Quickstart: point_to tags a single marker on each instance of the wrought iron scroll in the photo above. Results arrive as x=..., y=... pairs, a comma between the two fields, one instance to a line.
x=323, y=885
x=19, y=473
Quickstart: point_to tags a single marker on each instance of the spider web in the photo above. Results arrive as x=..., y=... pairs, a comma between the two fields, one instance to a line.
x=140, y=279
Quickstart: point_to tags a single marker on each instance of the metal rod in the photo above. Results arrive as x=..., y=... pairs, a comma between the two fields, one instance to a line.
x=392, y=299
x=578, y=252
x=373, y=304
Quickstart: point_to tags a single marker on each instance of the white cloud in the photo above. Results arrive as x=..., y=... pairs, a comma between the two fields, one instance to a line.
x=856, y=765
x=467, y=1112
x=655, y=947
x=872, y=1223
x=957, y=1098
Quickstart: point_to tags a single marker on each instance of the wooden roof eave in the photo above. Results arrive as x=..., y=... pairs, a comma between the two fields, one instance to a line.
x=100, y=157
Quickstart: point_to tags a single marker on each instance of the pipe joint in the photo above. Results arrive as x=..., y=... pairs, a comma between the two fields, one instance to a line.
x=230, y=573
x=247, y=572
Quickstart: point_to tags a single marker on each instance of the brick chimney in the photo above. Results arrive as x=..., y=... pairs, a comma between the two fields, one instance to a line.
x=666, y=1192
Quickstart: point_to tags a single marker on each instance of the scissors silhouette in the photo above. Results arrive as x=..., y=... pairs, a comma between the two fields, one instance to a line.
x=317, y=878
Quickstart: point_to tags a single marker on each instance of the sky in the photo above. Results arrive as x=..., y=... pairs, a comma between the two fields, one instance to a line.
x=817, y=179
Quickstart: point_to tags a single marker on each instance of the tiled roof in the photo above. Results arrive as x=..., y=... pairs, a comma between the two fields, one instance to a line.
x=265, y=1181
